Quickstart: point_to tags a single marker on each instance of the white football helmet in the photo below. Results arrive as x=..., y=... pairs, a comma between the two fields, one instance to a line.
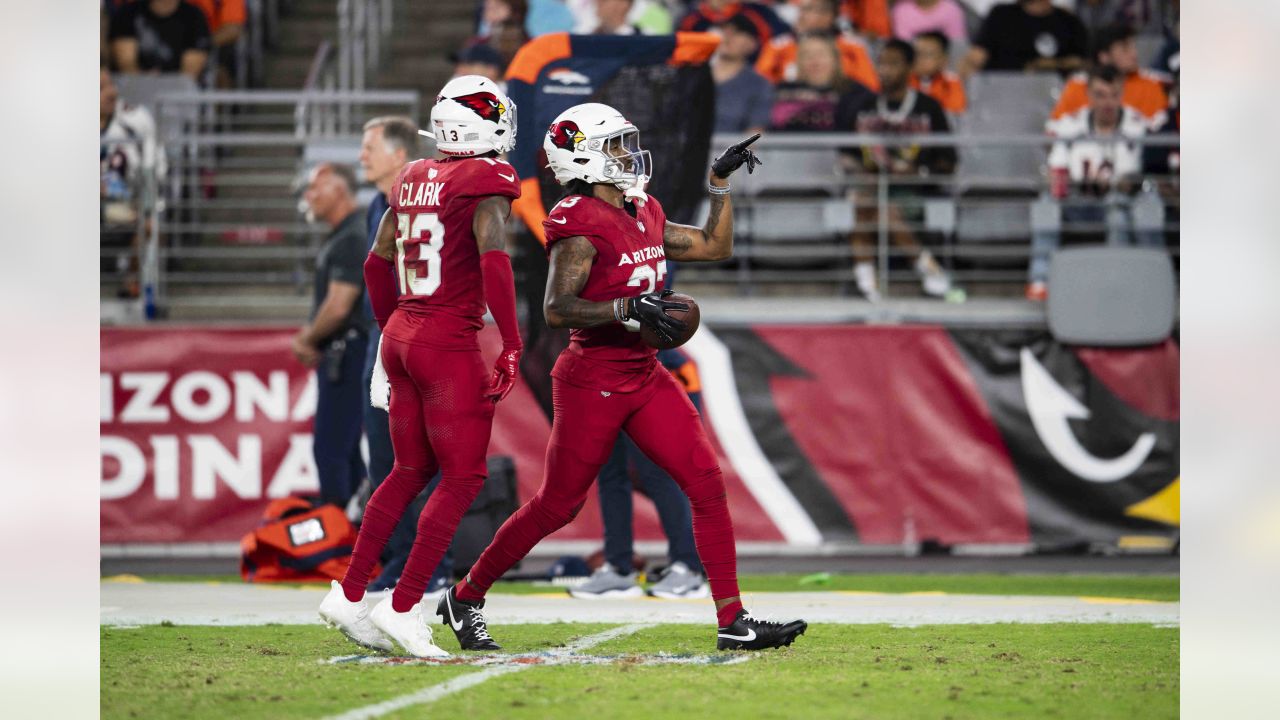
x=472, y=116
x=594, y=143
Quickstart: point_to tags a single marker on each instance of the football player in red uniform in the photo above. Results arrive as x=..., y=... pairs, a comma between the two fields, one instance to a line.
x=441, y=247
x=608, y=242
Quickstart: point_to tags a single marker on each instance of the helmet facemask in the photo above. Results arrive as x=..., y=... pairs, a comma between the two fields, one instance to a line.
x=626, y=164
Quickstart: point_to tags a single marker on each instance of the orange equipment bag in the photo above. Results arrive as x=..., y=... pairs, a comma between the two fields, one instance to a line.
x=298, y=542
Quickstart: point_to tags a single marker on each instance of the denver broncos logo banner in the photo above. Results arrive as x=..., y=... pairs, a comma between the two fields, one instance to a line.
x=651, y=79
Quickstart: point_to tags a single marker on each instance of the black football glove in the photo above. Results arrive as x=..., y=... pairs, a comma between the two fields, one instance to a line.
x=651, y=309
x=734, y=157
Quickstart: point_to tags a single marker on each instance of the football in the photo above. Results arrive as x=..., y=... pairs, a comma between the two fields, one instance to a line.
x=690, y=316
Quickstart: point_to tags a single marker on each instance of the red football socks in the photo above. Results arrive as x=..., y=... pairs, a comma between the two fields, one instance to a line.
x=727, y=614
x=380, y=517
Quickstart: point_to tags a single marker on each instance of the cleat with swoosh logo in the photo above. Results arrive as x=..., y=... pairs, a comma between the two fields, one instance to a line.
x=466, y=619
x=748, y=633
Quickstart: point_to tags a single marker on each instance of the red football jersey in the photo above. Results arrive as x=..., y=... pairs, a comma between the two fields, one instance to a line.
x=630, y=261
x=437, y=263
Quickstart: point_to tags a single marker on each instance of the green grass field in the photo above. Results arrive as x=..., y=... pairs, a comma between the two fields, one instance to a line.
x=837, y=671
x=1139, y=587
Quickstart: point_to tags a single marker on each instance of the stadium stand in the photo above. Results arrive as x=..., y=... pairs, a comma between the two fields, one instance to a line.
x=229, y=241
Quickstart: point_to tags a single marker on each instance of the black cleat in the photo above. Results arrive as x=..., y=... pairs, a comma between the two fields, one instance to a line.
x=467, y=621
x=748, y=633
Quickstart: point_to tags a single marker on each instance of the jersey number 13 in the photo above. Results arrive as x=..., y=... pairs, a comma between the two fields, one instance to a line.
x=418, y=244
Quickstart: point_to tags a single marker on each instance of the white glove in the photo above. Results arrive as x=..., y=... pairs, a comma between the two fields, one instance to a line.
x=379, y=385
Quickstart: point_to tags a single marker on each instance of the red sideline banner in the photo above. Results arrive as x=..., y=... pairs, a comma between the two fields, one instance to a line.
x=202, y=426
x=840, y=434
x=200, y=429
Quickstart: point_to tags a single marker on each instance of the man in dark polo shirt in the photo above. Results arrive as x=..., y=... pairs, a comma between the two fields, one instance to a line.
x=335, y=340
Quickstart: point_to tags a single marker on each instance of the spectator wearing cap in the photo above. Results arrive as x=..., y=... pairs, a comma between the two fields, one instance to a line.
x=1027, y=35
x=777, y=61
x=160, y=36
x=710, y=13
x=1096, y=160
x=869, y=17
x=743, y=96
x=911, y=18
x=334, y=340
x=808, y=103
x=931, y=76
x=479, y=59
x=1144, y=90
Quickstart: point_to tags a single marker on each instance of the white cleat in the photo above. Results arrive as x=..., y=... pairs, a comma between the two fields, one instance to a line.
x=352, y=618
x=409, y=629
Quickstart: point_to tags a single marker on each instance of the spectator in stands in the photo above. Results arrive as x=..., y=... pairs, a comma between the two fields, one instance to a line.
x=493, y=13
x=931, y=75
x=869, y=17
x=777, y=61
x=710, y=13
x=160, y=36
x=743, y=97
x=1030, y=35
x=911, y=18
x=479, y=59
x=898, y=109
x=611, y=18
x=809, y=102
x=650, y=17
x=226, y=20
x=1169, y=59
x=334, y=341
x=507, y=39
x=1096, y=159
x=128, y=151
x=547, y=16
x=1143, y=89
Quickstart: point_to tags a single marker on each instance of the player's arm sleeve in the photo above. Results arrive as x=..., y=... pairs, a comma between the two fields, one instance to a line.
x=495, y=268
x=380, y=282
x=379, y=271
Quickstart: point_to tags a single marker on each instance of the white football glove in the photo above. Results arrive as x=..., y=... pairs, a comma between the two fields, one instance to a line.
x=379, y=385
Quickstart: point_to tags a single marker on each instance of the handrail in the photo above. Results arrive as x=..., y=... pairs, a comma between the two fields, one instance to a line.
x=834, y=140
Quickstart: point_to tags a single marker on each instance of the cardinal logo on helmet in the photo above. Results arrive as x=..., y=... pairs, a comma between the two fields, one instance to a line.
x=484, y=104
x=566, y=135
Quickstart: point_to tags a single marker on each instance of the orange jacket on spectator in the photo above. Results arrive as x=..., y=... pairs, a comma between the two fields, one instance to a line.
x=868, y=16
x=1143, y=91
x=221, y=12
x=777, y=61
x=946, y=87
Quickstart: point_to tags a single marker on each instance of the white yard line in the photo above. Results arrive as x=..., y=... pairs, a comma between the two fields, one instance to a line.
x=433, y=693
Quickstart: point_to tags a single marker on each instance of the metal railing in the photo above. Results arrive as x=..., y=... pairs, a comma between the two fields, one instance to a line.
x=229, y=232
x=230, y=235
x=795, y=217
x=364, y=27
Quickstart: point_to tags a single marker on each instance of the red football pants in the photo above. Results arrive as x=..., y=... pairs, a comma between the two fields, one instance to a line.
x=665, y=426
x=440, y=420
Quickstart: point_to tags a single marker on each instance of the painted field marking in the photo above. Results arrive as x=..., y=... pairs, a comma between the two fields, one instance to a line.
x=433, y=693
